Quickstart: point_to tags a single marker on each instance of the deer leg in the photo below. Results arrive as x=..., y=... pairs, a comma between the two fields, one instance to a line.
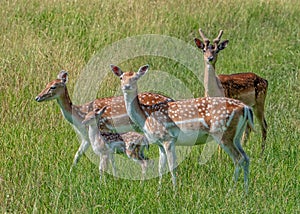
x=102, y=164
x=100, y=167
x=171, y=157
x=245, y=162
x=162, y=164
x=246, y=134
x=234, y=154
x=227, y=143
x=83, y=147
x=243, y=158
x=259, y=113
x=144, y=162
x=112, y=161
x=144, y=166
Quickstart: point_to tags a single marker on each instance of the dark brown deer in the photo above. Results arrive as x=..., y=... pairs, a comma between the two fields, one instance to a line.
x=248, y=87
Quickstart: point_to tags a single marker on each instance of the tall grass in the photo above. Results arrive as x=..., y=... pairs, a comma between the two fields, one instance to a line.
x=39, y=38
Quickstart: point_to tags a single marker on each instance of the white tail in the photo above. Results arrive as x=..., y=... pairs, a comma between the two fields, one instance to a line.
x=187, y=123
x=246, y=87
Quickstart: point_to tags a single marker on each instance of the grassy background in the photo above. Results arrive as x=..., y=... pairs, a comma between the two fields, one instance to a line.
x=39, y=38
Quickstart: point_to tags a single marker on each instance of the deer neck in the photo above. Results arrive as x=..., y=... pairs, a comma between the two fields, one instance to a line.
x=94, y=133
x=70, y=112
x=212, y=84
x=133, y=108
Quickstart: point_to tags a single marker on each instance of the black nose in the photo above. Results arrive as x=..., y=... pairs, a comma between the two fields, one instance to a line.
x=210, y=58
x=37, y=98
x=126, y=87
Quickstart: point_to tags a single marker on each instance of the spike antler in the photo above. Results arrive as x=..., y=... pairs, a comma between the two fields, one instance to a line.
x=217, y=40
x=205, y=39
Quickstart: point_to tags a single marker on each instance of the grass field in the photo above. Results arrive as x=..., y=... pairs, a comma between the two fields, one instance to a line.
x=39, y=38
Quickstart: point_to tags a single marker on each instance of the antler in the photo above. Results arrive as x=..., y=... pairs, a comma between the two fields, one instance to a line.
x=205, y=39
x=217, y=40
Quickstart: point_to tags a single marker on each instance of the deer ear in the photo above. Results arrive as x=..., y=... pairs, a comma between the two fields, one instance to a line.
x=223, y=45
x=116, y=70
x=199, y=43
x=63, y=75
x=142, y=70
x=100, y=111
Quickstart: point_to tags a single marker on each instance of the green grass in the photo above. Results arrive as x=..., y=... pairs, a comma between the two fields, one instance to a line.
x=39, y=38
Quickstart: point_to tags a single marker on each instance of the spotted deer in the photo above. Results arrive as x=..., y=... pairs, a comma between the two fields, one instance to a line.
x=187, y=123
x=106, y=144
x=114, y=119
x=248, y=87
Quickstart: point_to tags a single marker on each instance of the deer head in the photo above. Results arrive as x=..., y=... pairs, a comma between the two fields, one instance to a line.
x=55, y=88
x=129, y=79
x=211, y=51
x=94, y=116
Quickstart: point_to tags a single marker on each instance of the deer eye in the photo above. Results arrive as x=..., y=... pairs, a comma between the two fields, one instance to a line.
x=53, y=87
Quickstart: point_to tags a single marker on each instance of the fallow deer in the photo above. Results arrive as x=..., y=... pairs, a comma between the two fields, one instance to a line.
x=187, y=123
x=104, y=145
x=248, y=87
x=114, y=119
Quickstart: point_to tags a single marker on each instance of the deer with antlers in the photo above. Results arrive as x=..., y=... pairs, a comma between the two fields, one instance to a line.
x=249, y=88
x=104, y=145
x=187, y=123
x=114, y=118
